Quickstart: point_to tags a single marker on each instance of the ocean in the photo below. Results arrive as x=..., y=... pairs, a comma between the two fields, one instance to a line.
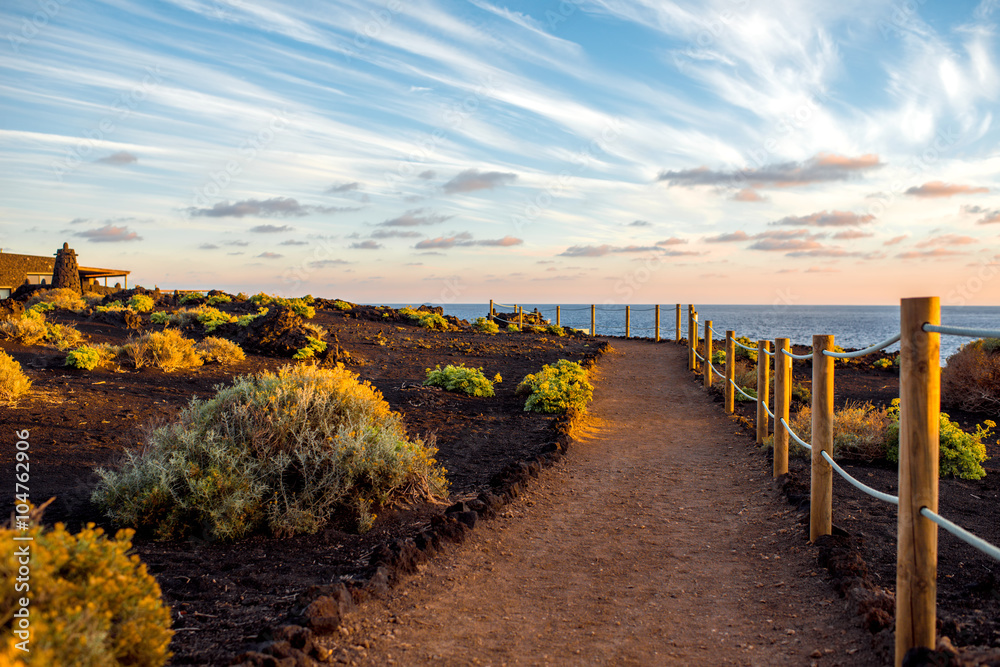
x=851, y=326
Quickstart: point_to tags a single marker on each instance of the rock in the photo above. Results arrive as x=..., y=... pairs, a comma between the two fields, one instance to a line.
x=255, y=659
x=468, y=518
x=278, y=333
x=378, y=585
x=324, y=614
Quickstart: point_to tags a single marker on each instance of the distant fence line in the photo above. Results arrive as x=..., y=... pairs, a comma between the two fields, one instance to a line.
x=919, y=412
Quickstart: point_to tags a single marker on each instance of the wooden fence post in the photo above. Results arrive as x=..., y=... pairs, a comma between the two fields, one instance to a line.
x=558, y=316
x=782, y=399
x=919, y=411
x=657, y=324
x=677, y=331
x=628, y=322
x=593, y=320
x=763, y=389
x=692, y=339
x=730, y=371
x=491, y=310
x=821, y=483
x=708, y=354
x=520, y=317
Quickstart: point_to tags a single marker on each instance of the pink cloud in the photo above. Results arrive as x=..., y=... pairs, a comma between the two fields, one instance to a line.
x=941, y=189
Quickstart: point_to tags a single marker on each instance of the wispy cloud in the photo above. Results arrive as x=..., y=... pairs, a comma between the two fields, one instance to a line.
x=395, y=234
x=896, y=239
x=471, y=180
x=673, y=240
x=730, y=237
x=929, y=254
x=366, y=245
x=748, y=195
x=276, y=207
x=294, y=242
x=109, y=234
x=940, y=189
x=990, y=216
x=827, y=219
x=121, y=157
x=640, y=223
x=326, y=263
x=269, y=255
x=464, y=239
x=849, y=234
x=947, y=239
x=270, y=229
x=823, y=168
x=342, y=188
x=415, y=218
x=606, y=249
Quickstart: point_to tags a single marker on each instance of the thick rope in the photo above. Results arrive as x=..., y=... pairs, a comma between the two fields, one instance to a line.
x=960, y=331
x=861, y=353
x=795, y=437
x=961, y=533
x=858, y=485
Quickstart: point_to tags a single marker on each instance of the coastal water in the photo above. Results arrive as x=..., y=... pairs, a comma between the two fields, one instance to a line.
x=852, y=326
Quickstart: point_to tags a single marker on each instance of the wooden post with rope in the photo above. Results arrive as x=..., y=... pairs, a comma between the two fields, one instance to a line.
x=821, y=484
x=593, y=320
x=558, y=316
x=730, y=371
x=763, y=389
x=628, y=322
x=491, y=311
x=677, y=332
x=657, y=323
x=782, y=399
x=919, y=414
x=708, y=354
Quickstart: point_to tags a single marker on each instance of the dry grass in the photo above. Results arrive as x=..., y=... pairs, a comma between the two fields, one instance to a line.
x=971, y=379
x=745, y=374
x=220, y=350
x=60, y=298
x=13, y=382
x=167, y=350
x=860, y=431
x=29, y=330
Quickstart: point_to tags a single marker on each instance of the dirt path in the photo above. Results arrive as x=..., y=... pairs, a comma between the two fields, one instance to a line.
x=659, y=540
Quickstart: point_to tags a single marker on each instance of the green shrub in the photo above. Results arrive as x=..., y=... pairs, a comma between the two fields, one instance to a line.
x=314, y=347
x=883, y=363
x=555, y=330
x=719, y=358
x=342, y=305
x=13, y=382
x=63, y=336
x=557, y=387
x=160, y=317
x=220, y=350
x=749, y=391
x=284, y=451
x=513, y=328
x=801, y=394
x=141, y=303
x=485, y=325
x=469, y=381
x=244, y=320
x=43, y=307
x=111, y=307
x=190, y=296
x=212, y=318
x=960, y=453
x=167, y=350
x=92, y=602
x=84, y=357
x=971, y=378
x=216, y=299
x=745, y=375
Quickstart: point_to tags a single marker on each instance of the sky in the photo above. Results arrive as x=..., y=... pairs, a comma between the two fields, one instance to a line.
x=447, y=151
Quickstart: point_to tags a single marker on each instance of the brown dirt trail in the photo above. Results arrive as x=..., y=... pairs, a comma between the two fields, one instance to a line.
x=658, y=541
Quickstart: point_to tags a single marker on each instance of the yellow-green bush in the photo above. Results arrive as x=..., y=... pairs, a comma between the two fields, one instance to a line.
x=485, y=325
x=959, y=453
x=92, y=604
x=342, y=305
x=555, y=330
x=29, y=330
x=301, y=306
x=141, y=303
x=61, y=297
x=860, y=431
x=425, y=319
x=167, y=350
x=460, y=379
x=13, y=382
x=284, y=451
x=220, y=350
x=557, y=387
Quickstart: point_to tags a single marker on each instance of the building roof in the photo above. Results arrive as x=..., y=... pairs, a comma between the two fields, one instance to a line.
x=15, y=267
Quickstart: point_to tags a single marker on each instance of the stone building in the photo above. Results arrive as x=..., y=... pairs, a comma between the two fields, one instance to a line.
x=61, y=270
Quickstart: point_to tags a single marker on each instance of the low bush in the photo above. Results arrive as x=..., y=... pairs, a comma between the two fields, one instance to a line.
x=284, y=451
x=314, y=347
x=342, y=305
x=141, y=303
x=485, y=325
x=216, y=299
x=63, y=336
x=244, y=320
x=860, y=430
x=61, y=297
x=301, y=306
x=84, y=357
x=745, y=375
x=960, y=453
x=971, y=379
x=43, y=307
x=801, y=394
x=719, y=358
x=884, y=363
x=513, y=328
x=469, y=381
x=555, y=330
x=29, y=330
x=167, y=350
x=743, y=353
x=557, y=387
x=160, y=317
x=13, y=382
x=425, y=319
x=92, y=602
x=219, y=350
x=111, y=307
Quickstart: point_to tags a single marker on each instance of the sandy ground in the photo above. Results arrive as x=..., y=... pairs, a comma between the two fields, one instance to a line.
x=659, y=540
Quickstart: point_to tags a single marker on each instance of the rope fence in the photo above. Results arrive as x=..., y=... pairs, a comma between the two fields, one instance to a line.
x=917, y=518
x=656, y=331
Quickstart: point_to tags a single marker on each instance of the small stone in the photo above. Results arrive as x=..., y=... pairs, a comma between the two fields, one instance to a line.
x=816, y=654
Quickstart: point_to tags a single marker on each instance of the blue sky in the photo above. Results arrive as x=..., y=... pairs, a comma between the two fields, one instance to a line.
x=606, y=151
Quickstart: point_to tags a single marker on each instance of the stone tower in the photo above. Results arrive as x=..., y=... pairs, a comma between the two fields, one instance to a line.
x=67, y=270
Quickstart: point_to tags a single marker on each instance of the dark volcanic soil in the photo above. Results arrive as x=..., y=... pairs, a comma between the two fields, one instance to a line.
x=223, y=594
